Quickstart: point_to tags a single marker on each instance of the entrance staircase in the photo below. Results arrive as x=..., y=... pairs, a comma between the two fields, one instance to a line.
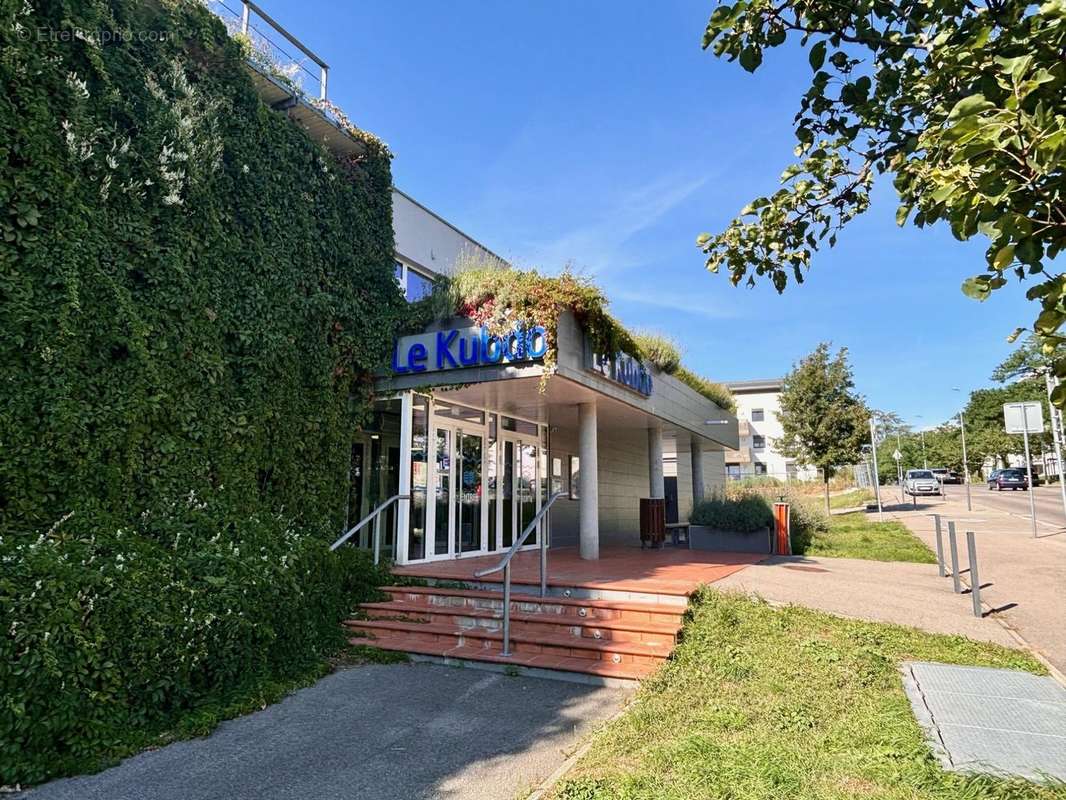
x=558, y=636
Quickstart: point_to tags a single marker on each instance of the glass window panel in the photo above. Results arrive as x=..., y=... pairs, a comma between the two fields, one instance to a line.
x=507, y=495
x=527, y=490
x=575, y=478
x=521, y=426
x=416, y=534
x=442, y=491
x=454, y=411
x=470, y=491
x=557, y=475
x=490, y=482
x=418, y=285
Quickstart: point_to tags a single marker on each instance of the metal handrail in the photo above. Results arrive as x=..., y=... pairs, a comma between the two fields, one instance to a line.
x=373, y=515
x=323, y=67
x=505, y=565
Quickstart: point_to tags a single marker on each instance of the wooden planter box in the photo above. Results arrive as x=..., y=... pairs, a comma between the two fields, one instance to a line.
x=704, y=538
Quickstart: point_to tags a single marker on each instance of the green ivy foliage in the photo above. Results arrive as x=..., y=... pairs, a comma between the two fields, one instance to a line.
x=664, y=353
x=962, y=104
x=193, y=299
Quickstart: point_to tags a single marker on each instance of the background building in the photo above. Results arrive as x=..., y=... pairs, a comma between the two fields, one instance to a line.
x=760, y=431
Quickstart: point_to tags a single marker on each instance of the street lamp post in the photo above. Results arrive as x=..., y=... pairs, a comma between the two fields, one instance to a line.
x=925, y=460
x=876, y=473
x=965, y=460
x=899, y=470
x=965, y=464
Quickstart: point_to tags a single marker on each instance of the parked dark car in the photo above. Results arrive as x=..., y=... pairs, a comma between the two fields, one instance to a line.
x=1012, y=479
x=945, y=475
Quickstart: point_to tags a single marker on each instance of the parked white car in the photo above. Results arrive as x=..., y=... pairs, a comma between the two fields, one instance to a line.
x=921, y=481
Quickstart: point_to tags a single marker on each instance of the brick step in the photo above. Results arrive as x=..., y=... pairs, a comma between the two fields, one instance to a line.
x=661, y=613
x=534, y=625
x=587, y=666
x=445, y=636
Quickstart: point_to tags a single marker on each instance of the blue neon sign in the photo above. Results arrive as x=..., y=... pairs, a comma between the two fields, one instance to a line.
x=460, y=348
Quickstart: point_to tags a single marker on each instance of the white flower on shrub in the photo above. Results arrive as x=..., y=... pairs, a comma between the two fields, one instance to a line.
x=79, y=86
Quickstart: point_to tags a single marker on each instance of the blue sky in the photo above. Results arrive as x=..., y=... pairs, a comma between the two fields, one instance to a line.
x=600, y=134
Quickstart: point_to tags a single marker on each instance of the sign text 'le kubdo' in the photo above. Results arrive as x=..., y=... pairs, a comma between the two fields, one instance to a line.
x=467, y=347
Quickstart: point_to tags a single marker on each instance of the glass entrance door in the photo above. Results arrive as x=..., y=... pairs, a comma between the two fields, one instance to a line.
x=518, y=490
x=443, y=480
x=469, y=494
x=458, y=491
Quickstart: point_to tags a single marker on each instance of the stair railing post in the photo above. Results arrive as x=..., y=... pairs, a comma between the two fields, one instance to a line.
x=377, y=538
x=543, y=540
x=507, y=610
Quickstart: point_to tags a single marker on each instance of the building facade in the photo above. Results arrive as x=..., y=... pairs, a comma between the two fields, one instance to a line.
x=759, y=432
x=473, y=434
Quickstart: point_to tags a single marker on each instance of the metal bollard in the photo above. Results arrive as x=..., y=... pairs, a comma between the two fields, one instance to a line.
x=939, y=547
x=975, y=581
x=954, y=547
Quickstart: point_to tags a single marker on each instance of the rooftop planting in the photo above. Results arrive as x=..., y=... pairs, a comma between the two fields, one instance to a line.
x=499, y=297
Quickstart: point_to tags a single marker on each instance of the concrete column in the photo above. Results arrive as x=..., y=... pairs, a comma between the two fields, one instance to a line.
x=656, y=485
x=696, y=449
x=589, y=500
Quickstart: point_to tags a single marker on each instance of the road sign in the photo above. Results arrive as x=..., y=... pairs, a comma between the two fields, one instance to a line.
x=897, y=455
x=1023, y=417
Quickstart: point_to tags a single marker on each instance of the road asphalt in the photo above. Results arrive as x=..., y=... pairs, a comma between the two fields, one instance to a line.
x=382, y=731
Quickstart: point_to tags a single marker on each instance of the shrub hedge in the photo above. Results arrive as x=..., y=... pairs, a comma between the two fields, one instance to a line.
x=193, y=297
x=806, y=513
x=744, y=514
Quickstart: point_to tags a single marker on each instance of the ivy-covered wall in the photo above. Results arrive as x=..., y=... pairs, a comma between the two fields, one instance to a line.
x=193, y=296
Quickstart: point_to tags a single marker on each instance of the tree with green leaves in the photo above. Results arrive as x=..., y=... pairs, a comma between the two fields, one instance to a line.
x=824, y=422
x=1030, y=359
x=964, y=103
x=985, y=436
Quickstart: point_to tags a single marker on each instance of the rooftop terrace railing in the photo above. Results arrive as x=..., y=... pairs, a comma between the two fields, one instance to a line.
x=259, y=32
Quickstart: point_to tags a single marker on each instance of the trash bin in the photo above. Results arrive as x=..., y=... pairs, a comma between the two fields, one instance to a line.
x=782, y=529
x=652, y=521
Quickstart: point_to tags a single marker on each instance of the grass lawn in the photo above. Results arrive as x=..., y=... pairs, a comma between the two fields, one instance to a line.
x=852, y=499
x=858, y=535
x=785, y=704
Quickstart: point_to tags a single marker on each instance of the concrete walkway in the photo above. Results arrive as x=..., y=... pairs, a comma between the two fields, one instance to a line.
x=1023, y=579
x=883, y=591
x=396, y=731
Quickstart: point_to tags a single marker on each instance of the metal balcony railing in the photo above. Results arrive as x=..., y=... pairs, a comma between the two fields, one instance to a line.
x=260, y=32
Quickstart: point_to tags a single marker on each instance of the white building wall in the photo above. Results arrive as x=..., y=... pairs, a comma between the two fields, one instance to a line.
x=428, y=242
x=769, y=427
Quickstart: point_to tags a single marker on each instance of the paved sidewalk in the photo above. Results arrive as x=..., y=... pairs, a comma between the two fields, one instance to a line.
x=1023, y=578
x=397, y=731
x=883, y=591
x=978, y=719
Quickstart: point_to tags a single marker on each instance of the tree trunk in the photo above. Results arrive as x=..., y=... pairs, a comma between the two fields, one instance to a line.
x=825, y=483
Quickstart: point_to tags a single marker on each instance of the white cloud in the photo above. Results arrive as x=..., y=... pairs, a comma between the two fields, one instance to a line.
x=599, y=246
x=676, y=301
